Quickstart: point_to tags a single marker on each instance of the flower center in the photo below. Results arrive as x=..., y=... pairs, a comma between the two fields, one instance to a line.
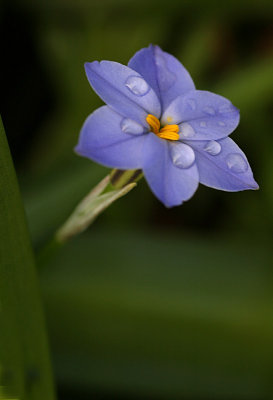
x=169, y=132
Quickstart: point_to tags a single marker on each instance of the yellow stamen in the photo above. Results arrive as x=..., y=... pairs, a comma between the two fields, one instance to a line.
x=153, y=122
x=172, y=128
x=169, y=132
x=169, y=135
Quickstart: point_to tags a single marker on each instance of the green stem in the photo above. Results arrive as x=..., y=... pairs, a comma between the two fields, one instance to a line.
x=24, y=356
x=111, y=188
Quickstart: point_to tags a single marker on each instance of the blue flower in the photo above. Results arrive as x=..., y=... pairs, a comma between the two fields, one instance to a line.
x=155, y=120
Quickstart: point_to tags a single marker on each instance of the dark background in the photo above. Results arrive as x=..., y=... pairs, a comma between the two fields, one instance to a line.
x=149, y=303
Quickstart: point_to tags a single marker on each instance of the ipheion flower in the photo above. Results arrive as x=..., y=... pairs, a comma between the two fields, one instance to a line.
x=155, y=120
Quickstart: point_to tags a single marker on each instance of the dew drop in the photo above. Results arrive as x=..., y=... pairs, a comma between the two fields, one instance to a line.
x=130, y=126
x=186, y=130
x=221, y=123
x=236, y=163
x=182, y=155
x=192, y=104
x=212, y=147
x=209, y=110
x=203, y=124
x=137, y=85
x=226, y=108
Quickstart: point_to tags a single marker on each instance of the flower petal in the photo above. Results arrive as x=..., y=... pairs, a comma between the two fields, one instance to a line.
x=164, y=73
x=106, y=138
x=202, y=115
x=223, y=165
x=170, y=184
x=123, y=89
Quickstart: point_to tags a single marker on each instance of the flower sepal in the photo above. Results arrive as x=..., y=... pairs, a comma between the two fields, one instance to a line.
x=120, y=178
x=99, y=199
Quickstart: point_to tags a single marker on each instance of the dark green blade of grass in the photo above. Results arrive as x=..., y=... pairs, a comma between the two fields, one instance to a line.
x=24, y=360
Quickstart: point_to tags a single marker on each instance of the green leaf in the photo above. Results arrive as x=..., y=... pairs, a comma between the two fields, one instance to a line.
x=24, y=360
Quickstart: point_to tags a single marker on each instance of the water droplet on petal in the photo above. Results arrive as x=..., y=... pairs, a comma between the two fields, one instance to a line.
x=192, y=104
x=212, y=147
x=203, y=124
x=182, y=155
x=236, y=163
x=221, y=123
x=186, y=130
x=137, y=85
x=209, y=110
x=226, y=108
x=132, y=127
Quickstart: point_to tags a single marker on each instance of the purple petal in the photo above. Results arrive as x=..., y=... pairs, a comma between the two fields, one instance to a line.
x=223, y=165
x=123, y=89
x=202, y=115
x=170, y=184
x=164, y=73
x=112, y=140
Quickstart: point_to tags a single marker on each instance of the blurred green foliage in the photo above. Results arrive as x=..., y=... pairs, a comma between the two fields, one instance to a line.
x=149, y=302
x=25, y=370
x=142, y=314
